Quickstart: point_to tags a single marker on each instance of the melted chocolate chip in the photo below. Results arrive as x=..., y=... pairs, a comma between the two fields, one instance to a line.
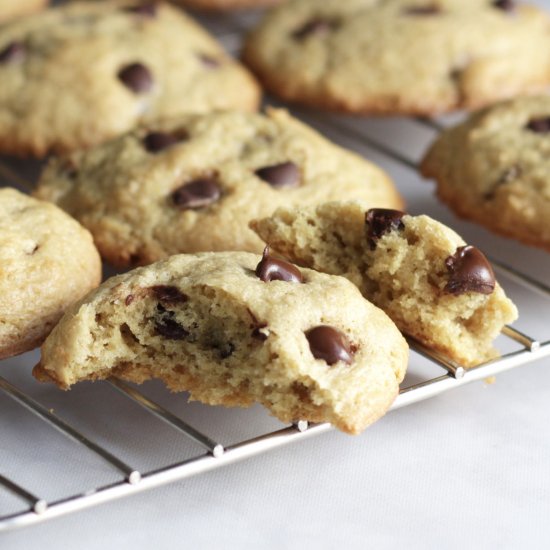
x=470, y=271
x=170, y=329
x=12, y=53
x=137, y=77
x=432, y=9
x=505, y=5
x=318, y=27
x=329, y=344
x=169, y=294
x=209, y=61
x=129, y=299
x=148, y=9
x=275, y=269
x=197, y=194
x=381, y=221
x=539, y=125
x=155, y=142
x=285, y=174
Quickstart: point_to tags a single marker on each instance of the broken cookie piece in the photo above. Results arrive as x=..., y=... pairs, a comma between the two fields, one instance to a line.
x=219, y=325
x=421, y=273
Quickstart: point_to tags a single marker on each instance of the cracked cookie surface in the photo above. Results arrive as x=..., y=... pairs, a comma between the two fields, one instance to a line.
x=193, y=184
x=420, y=272
x=47, y=262
x=82, y=73
x=401, y=56
x=494, y=169
x=233, y=333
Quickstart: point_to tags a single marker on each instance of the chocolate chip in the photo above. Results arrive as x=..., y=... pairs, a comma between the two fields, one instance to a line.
x=209, y=61
x=432, y=9
x=157, y=141
x=285, y=174
x=275, y=269
x=329, y=344
x=258, y=334
x=148, y=9
x=169, y=294
x=381, y=221
x=197, y=194
x=12, y=53
x=509, y=175
x=129, y=299
x=318, y=27
x=470, y=271
x=226, y=349
x=539, y=125
x=505, y=5
x=137, y=77
x=170, y=329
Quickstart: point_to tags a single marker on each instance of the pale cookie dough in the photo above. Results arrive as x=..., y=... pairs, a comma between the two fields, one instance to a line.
x=495, y=169
x=15, y=8
x=47, y=262
x=193, y=184
x=401, y=56
x=304, y=344
x=414, y=268
x=82, y=73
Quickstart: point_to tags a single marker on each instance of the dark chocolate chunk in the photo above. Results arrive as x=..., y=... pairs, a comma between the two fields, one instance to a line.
x=285, y=174
x=147, y=9
x=12, y=53
x=431, y=9
x=329, y=344
x=157, y=141
x=197, y=194
x=129, y=299
x=209, y=61
x=381, y=221
x=319, y=27
x=275, y=269
x=137, y=77
x=505, y=5
x=539, y=125
x=170, y=329
x=169, y=294
x=470, y=271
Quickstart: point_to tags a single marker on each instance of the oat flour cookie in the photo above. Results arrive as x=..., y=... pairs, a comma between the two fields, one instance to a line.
x=194, y=183
x=420, y=272
x=79, y=74
x=233, y=330
x=401, y=56
x=15, y=8
x=495, y=169
x=47, y=261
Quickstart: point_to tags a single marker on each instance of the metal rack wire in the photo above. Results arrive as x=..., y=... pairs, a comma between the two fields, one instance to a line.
x=131, y=480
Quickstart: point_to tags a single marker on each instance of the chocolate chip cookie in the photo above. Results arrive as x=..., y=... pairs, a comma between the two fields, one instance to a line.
x=193, y=184
x=401, y=56
x=233, y=329
x=495, y=169
x=435, y=288
x=47, y=261
x=79, y=74
x=15, y=8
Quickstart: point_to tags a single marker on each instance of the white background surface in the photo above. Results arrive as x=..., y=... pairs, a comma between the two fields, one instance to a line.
x=467, y=469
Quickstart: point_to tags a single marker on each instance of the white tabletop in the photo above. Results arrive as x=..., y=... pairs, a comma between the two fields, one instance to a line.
x=467, y=469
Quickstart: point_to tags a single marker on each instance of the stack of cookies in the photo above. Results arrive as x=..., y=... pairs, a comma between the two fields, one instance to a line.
x=269, y=264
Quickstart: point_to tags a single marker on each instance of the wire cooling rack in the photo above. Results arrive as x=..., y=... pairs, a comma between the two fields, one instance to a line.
x=444, y=374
